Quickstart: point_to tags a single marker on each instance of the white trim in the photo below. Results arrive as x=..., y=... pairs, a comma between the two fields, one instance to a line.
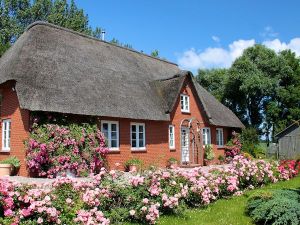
x=185, y=103
x=173, y=129
x=137, y=137
x=7, y=133
x=217, y=137
x=207, y=134
x=109, y=122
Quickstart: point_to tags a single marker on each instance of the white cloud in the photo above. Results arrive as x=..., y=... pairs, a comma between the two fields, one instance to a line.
x=269, y=33
x=218, y=57
x=278, y=46
x=215, y=38
x=213, y=57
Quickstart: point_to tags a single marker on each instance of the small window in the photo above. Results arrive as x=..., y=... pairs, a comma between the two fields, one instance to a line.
x=220, y=137
x=137, y=131
x=110, y=129
x=206, y=136
x=6, y=126
x=185, y=103
x=172, y=137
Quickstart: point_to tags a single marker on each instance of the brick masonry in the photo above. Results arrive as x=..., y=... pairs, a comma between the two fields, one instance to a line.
x=157, y=144
x=10, y=109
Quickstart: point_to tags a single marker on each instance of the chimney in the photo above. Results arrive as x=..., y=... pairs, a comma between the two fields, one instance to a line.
x=103, y=35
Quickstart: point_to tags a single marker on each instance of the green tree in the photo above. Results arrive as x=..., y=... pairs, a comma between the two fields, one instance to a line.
x=261, y=87
x=16, y=15
x=252, y=79
x=284, y=108
x=214, y=80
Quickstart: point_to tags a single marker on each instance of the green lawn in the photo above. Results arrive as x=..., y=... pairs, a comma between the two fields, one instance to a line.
x=224, y=211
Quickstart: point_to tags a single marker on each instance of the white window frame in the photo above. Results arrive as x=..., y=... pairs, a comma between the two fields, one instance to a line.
x=220, y=137
x=6, y=133
x=109, y=134
x=185, y=103
x=172, y=146
x=206, y=136
x=138, y=148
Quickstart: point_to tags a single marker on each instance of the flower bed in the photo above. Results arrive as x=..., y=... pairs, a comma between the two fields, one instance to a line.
x=143, y=198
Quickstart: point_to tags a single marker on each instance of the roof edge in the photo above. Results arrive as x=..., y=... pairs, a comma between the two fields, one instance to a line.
x=297, y=123
x=44, y=23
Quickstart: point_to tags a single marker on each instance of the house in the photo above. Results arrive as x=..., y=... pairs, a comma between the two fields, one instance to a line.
x=289, y=142
x=147, y=107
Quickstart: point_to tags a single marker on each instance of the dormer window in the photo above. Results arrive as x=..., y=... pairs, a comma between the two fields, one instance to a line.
x=185, y=103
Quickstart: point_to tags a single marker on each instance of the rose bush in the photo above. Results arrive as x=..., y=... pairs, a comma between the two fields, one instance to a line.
x=53, y=149
x=108, y=197
x=233, y=147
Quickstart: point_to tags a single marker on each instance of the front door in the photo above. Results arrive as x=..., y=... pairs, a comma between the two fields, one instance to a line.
x=185, y=152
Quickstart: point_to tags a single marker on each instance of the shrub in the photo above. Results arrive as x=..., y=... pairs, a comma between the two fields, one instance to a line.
x=133, y=162
x=12, y=160
x=249, y=140
x=209, y=152
x=53, y=149
x=109, y=198
x=276, y=207
x=234, y=146
x=172, y=160
x=290, y=166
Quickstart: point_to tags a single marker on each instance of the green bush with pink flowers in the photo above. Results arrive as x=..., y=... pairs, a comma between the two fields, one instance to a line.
x=54, y=149
x=113, y=197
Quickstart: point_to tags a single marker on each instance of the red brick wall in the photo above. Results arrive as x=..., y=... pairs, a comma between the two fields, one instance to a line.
x=19, y=125
x=157, y=143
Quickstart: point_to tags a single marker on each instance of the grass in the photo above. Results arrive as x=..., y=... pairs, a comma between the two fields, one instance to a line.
x=224, y=211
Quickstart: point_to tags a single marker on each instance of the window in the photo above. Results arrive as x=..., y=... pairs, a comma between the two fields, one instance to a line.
x=172, y=137
x=137, y=131
x=206, y=136
x=111, y=131
x=220, y=137
x=6, y=126
x=185, y=103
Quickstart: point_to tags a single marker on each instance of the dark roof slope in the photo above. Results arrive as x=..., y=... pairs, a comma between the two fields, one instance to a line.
x=288, y=129
x=63, y=71
x=217, y=113
x=60, y=70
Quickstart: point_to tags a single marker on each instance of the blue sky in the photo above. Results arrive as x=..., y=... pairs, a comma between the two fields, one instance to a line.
x=198, y=34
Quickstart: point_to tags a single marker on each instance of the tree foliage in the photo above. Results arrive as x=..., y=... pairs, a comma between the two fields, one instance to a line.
x=16, y=15
x=261, y=87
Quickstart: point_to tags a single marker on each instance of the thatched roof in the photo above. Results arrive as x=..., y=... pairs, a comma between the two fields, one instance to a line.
x=60, y=70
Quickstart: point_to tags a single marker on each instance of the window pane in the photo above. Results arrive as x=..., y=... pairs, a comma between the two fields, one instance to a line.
x=141, y=128
x=104, y=127
x=114, y=144
x=141, y=143
x=114, y=135
x=133, y=136
x=141, y=136
x=133, y=143
x=133, y=128
x=113, y=127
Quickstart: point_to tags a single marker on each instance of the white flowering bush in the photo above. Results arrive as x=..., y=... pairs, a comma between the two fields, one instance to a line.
x=109, y=198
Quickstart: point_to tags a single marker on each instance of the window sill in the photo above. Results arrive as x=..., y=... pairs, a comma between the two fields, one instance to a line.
x=113, y=150
x=172, y=149
x=186, y=112
x=220, y=147
x=138, y=150
x=5, y=151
